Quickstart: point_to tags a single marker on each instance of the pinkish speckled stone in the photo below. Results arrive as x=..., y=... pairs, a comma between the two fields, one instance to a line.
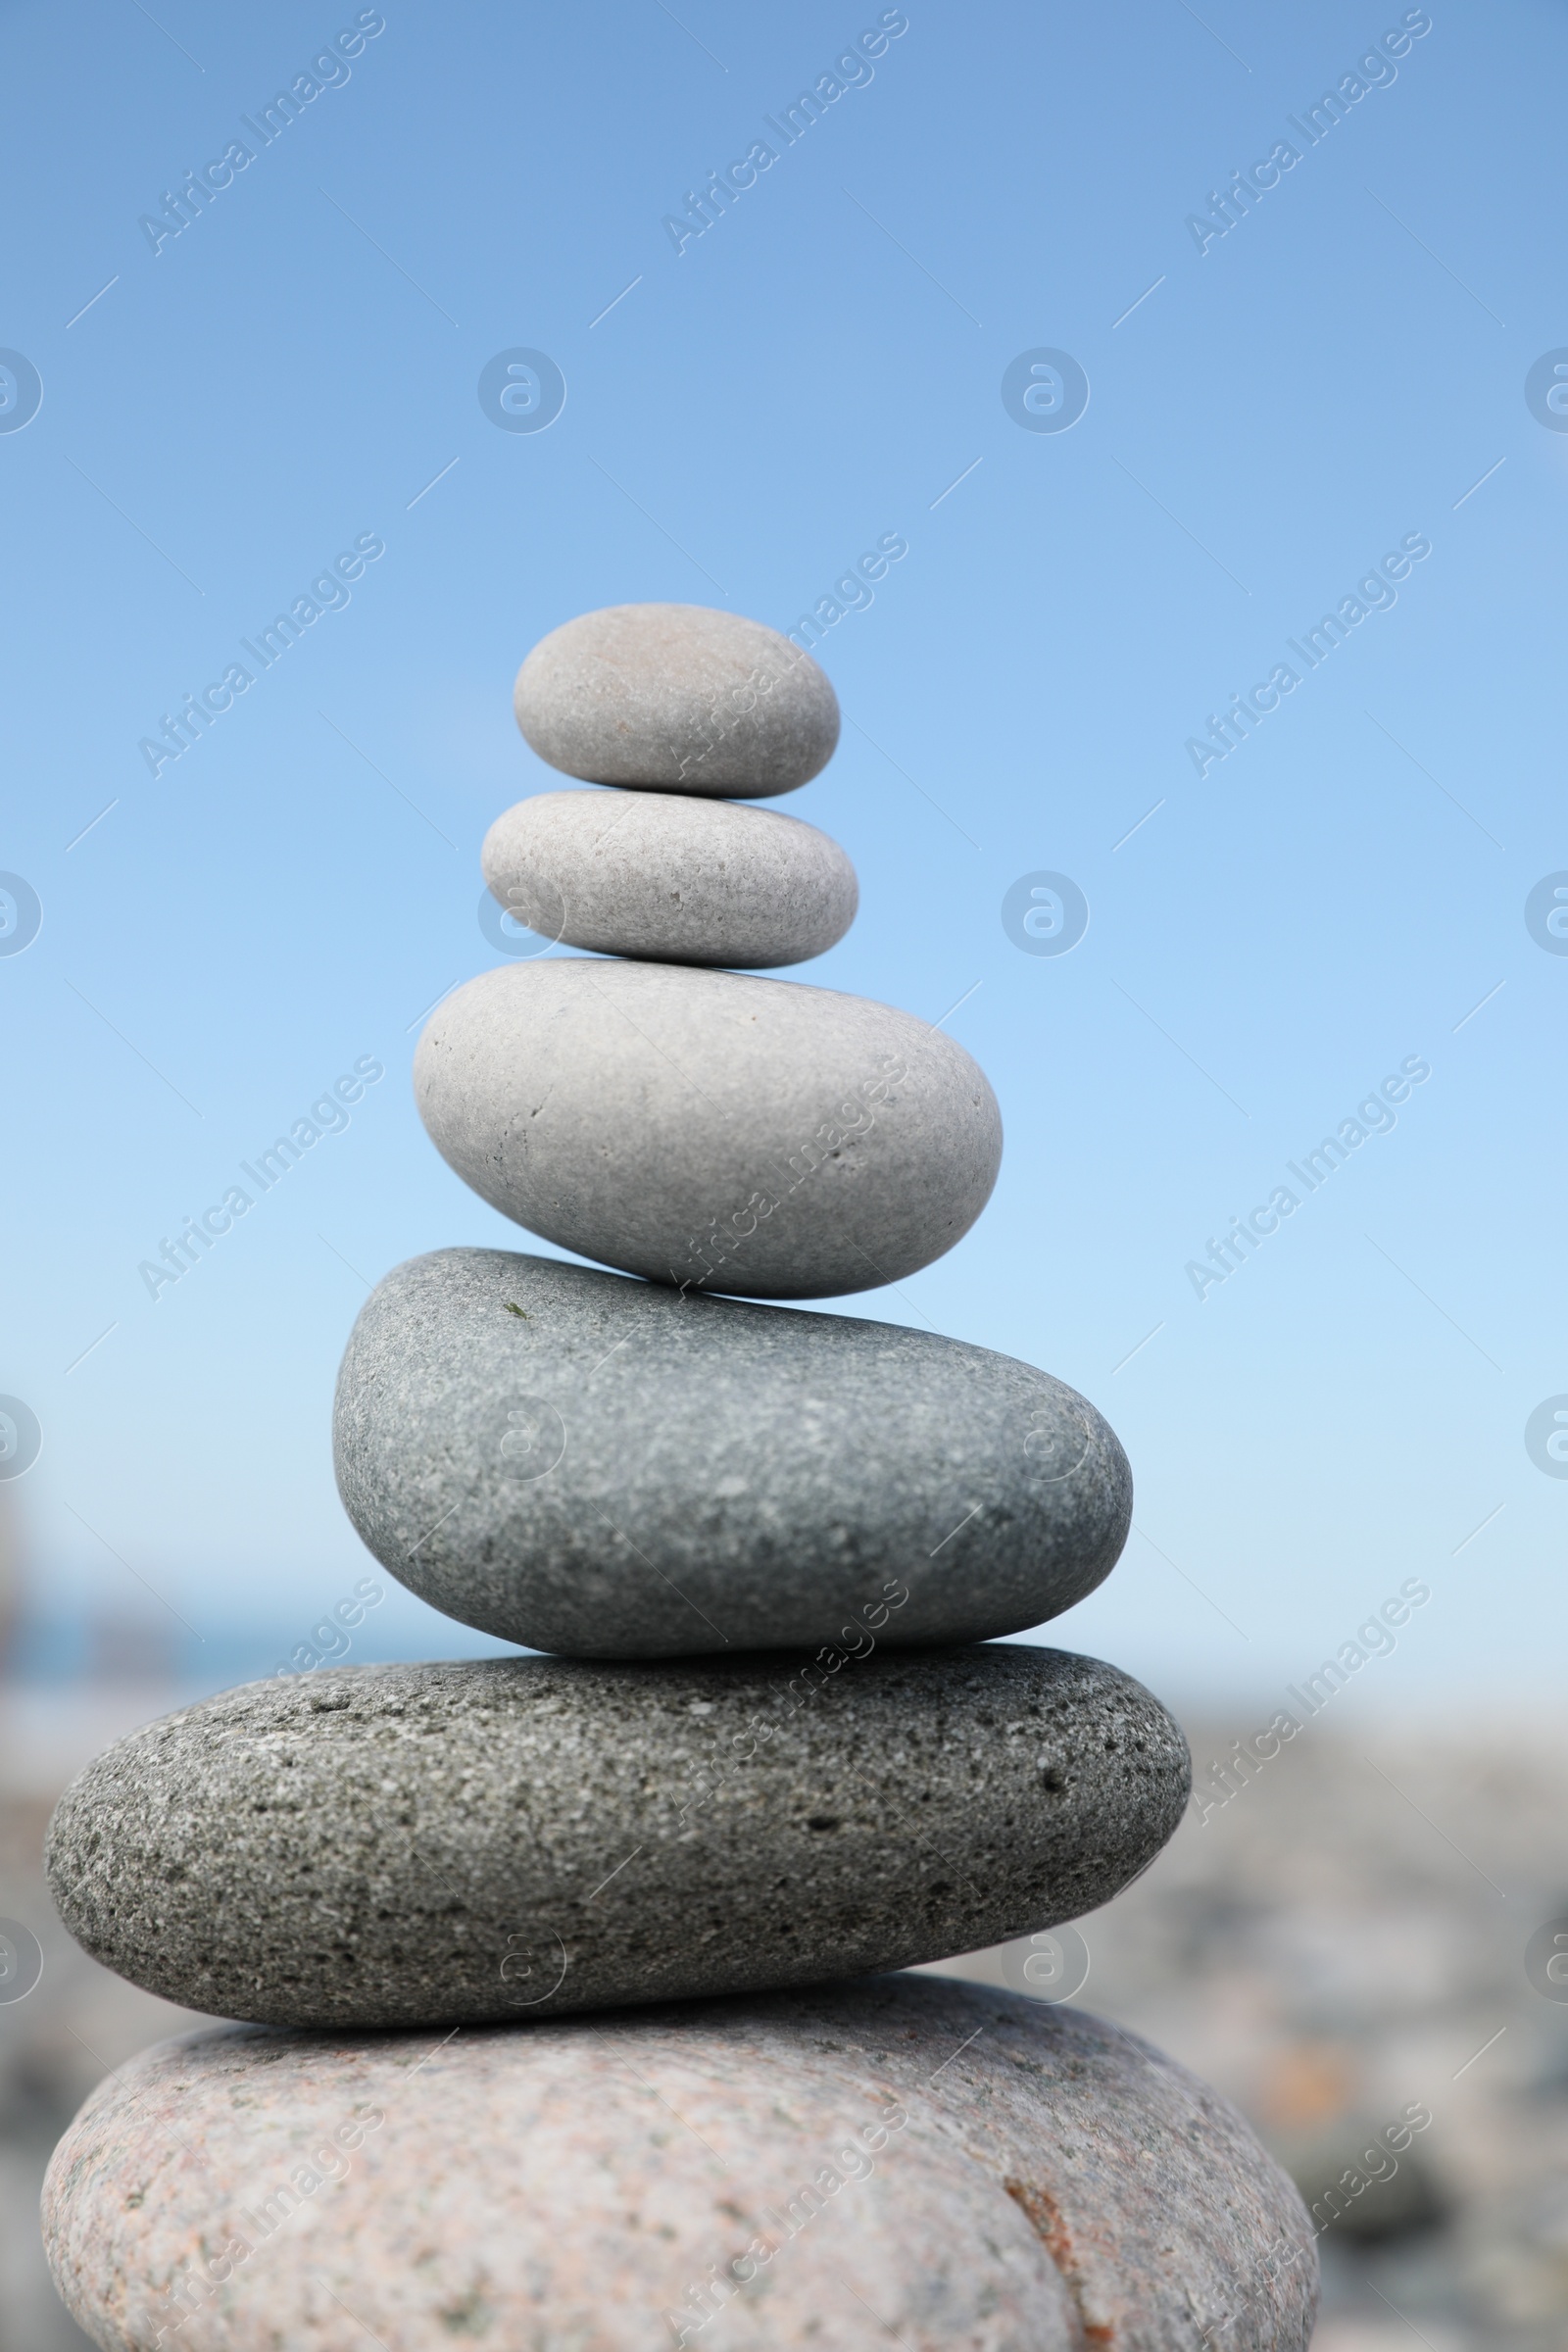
x=905, y=2157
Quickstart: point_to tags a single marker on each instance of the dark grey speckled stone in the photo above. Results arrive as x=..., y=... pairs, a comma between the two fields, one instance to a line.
x=399, y=1846
x=599, y=1466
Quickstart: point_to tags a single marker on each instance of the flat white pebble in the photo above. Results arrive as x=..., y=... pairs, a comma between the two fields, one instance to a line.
x=669, y=879
x=678, y=697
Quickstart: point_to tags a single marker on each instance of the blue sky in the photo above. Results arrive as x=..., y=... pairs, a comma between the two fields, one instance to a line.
x=1272, y=411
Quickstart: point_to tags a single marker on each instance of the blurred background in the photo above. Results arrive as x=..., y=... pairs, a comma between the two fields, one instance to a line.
x=1159, y=340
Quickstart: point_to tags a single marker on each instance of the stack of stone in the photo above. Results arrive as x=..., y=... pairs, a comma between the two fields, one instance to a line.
x=770, y=1748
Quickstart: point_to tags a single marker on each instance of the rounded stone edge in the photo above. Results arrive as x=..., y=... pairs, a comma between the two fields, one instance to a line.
x=451, y=1111
x=1259, y=2231
x=1133, y=1826
x=403, y=1298
x=554, y=744
x=840, y=885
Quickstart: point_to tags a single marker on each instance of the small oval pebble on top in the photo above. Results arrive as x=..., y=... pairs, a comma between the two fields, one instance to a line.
x=677, y=698
x=670, y=880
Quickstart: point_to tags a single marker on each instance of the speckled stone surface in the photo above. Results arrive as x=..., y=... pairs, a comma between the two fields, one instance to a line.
x=759, y=1136
x=910, y=2161
x=669, y=879
x=585, y=1464
x=678, y=696
x=403, y=1844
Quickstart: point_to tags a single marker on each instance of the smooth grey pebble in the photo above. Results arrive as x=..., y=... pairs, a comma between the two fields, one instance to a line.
x=598, y=1466
x=709, y=1129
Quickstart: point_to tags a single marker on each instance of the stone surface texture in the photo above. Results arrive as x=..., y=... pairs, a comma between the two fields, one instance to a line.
x=904, y=2160
x=705, y=1128
x=584, y=1463
x=669, y=879
x=501, y=1838
x=679, y=697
